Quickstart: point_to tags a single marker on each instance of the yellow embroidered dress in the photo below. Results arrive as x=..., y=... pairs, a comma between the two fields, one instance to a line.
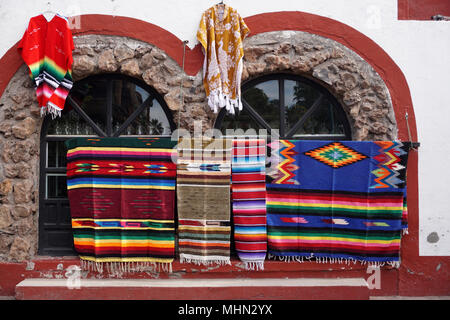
x=221, y=34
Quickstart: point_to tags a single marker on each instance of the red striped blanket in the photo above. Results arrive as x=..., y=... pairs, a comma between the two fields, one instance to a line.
x=249, y=201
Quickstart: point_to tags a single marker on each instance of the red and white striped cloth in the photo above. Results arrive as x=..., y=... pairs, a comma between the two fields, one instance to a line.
x=249, y=201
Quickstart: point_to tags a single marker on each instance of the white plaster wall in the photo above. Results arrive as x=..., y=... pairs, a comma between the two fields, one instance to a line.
x=420, y=48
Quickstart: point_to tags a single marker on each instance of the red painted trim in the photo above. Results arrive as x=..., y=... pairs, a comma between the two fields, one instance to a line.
x=402, y=10
x=422, y=9
x=143, y=31
x=9, y=64
x=426, y=281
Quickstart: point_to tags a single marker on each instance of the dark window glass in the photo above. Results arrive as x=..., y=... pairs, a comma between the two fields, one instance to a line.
x=152, y=121
x=91, y=95
x=241, y=120
x=56, y=186
x=56, y=154
x=298, y=98
x=264, y=99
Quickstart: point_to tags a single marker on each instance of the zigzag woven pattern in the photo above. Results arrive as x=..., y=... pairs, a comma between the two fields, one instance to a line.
x=391, y=171
x=122, y=212
x=203, y=194
x=249, y=201
x=334, y=213
x=283, y=159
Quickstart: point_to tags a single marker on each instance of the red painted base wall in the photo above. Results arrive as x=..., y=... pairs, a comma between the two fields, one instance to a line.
x=55, y=268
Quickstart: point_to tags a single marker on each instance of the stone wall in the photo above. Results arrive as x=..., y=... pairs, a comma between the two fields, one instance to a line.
x=19, y=168
x=347, y=76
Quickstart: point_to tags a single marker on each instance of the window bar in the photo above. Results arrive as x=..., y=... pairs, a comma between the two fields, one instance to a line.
x=282, y=107
x=83, y=114
x=109, y=95
x=46, y=154
x=256, y=115
x=307, y=114
x=134, y=115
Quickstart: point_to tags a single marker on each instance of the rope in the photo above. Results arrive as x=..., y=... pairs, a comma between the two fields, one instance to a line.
x=185, y=42
x=409, y=131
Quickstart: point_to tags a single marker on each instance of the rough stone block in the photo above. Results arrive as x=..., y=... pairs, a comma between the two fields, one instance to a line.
x=5, y=217
x=24, y=128
x=19, y=250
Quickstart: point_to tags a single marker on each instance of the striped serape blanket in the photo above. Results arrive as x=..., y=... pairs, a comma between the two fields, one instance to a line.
x=337, y=201
x=122, y=193
x=248, y=186
x=203, y=200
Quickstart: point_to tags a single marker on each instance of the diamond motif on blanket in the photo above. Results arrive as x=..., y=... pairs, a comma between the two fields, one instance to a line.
x=335, y=155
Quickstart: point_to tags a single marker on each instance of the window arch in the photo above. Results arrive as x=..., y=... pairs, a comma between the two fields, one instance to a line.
x=106, y=105
x=296, y=106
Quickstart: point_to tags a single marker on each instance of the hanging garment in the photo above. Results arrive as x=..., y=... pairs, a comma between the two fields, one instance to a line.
x=122, y=197
x=337, y=201
x=203, y=199
x=221, y=34
x=46, y=48
x=248, y=194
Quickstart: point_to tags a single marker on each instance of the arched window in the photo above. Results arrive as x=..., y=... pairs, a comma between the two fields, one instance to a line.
x=296, y=106
x=101, y=105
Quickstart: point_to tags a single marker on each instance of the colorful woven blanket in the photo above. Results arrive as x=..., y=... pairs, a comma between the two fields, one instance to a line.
x=122, y=193
x=337, y=201
x=46, y=48
x=203, y=199
x=249, y=201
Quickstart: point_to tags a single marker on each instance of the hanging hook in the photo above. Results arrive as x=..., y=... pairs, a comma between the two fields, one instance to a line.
x=49, y=8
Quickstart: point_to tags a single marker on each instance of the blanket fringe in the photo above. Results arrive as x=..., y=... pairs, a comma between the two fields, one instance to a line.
x=125, y=267
x=51, y=110
x=217, y=100
x=347, y=261
x=222, y=261
x=288, y=258
x=254, y=265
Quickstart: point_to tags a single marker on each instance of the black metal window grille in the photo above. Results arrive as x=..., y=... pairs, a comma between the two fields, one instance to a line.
x=297, y=107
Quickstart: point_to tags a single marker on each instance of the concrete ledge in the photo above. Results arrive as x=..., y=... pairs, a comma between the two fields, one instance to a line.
x=193, y=289
x=195, y=283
